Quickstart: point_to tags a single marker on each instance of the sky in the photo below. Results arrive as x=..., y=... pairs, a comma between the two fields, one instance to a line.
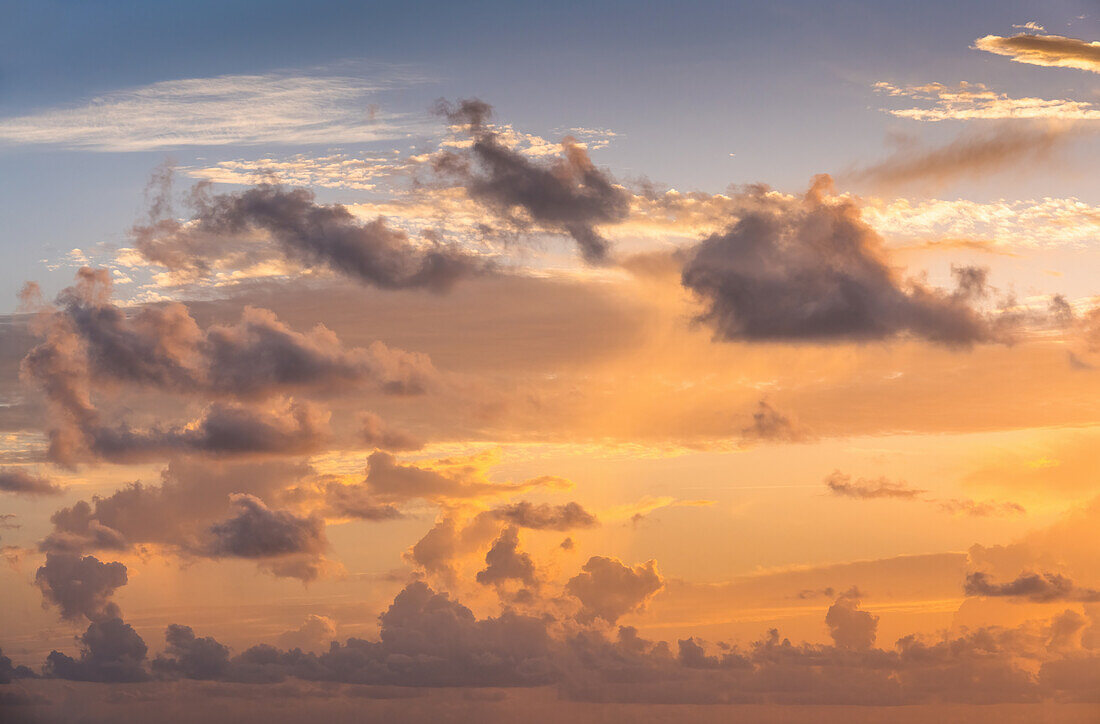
x=566, y=361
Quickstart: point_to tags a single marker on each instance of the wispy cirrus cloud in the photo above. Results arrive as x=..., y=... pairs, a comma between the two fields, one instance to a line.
x=272, y=108
x=1056, y=51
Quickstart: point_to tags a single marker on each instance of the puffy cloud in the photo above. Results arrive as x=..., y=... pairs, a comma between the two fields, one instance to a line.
x=1049, y=50
x=544, y=516
x=505, y=562
x=850, y=627
x=813, y=270
x=608, y=589
x=81, y=586
x=257, y=531
x=569, y=195
x=188, y=656
x=315, y=634
x=14, y=480
x=111, y=651
x=192, y=495
x=9, y=673
x=843, y=485
x=1041, y=587
x=305, y=233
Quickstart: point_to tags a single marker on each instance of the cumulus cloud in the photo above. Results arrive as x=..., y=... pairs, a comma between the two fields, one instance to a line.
x=257, y=531
x=14, y=480
x=315, y=634
x=1054, y=51
x=305, y=233
x=608, y=589
x=81, y=586
x=812, y=270
x=569, y=195
x=111, y=651
x=505, y=562
x=90, y=344
x=188, y=656
x=850, y=627
x=843, y=485
x=1043, y=587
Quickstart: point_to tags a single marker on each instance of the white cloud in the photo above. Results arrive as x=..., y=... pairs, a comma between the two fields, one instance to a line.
x=972, y=101
x=229, y=109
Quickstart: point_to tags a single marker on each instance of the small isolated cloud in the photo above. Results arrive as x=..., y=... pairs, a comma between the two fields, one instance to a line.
x=1049, y=50
x=845, y=486
x=609, y=589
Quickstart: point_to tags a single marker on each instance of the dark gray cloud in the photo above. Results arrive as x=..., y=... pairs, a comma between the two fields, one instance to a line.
x=306, y=233
x=190, y=657
x=850, y=627
x=811, y=270
x=569, y=195
x=845, y=486
x=505, y=562
x=9, y=672
x=80, y=586
x=111, y=651
x=257, y=531
x=1041, y=587
x=14, y=480
x=609, y=589
x=544, y=516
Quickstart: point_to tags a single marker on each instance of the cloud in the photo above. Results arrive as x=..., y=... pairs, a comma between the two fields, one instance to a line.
x=770, y=425
x=315, y=634
x=972, y=154
x=111, y=651
x=188, y=656
x=1048, y=50
x=840, y=484
x=505, y=562
x=608, y=589
x=376, y=433
x=850, y=627
x=89, y=343
x=811, y=270
x=305, y=233
x=80, y=586
x=569, y=195
x=13, y=480
x=271, y=109
x=974, y=101
x=257, y=531
x=980, y=508
x=390, y=480
x=544, y=516
x=1041, y=587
